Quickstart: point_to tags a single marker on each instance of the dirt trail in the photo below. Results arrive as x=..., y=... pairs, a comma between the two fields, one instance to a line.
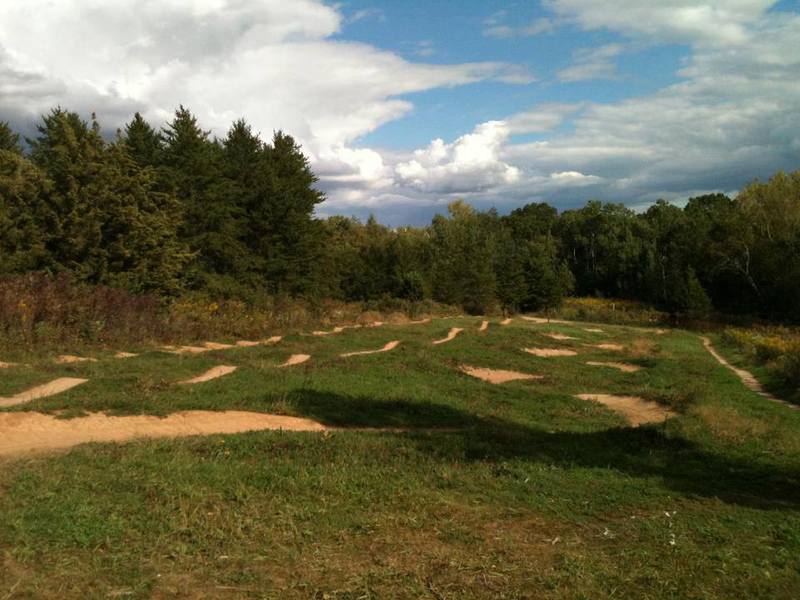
x=24, y=432
x=637, y=411
x=335, y=330
x=542, y=321
x=295, y=359
x=66, y=359
x=484, y=326
x=747, y=377
x=42, y=391
x=624, y=367
x=246, y=344
x=549, y=352
x=386, y=348
x=451, y=335
x=496, y=376
x=125, y=355
x=217, y=346
x=212, y=373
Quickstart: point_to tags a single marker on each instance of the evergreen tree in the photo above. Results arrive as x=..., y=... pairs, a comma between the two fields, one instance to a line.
x=9, y=141
x=143, y=143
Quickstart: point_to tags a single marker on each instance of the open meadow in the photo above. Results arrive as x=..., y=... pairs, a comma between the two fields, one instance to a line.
x=473, y=458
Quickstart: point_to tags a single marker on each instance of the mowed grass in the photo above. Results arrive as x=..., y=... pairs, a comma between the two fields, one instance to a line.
x=527, y=492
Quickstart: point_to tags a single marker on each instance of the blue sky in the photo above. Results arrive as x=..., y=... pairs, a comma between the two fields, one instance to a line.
x=405, y=106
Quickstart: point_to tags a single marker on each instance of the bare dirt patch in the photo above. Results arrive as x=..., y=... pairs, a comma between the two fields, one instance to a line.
x=125, y=355
x=607, y=346
x=549, y=352
x=185, y=349
x=212, y=373
x=450, y=335
x=497, y=376
x=386, y=348
x=66, y=359
x=624, y=367
x=295, y=359
x=25, y=432
x=560, y=336
x=484, y=326
x=543, y=321
x=506, y=321
x=332, y=332
x=272, y=340
x=246, y=343
x=217, y=346
x=637, y=411
x=51, y=388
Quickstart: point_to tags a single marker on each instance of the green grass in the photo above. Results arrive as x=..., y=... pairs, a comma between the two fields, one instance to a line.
x=534, y=494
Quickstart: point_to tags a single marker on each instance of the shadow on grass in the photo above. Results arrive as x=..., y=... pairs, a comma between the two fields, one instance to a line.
x=640, y=452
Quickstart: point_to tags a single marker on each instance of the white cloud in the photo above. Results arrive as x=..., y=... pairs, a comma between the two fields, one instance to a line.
x=496, y=29
x=541, y=118
x=592, y=63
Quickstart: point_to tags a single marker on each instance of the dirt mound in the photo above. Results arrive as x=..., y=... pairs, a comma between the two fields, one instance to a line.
x=273, y=340
x=607, y=346
x=625, y=367
x=637, y=411
x=212, y=373
x=386, y=348
x=496, y=376
x=559, y=336
x=66, y=359
x=42, y=391
x=295, y=359
x=454, y=331
x=484, y=326
x=549, y=352
x=25, y=432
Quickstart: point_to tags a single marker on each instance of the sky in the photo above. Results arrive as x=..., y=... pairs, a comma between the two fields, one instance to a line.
x=405, y=106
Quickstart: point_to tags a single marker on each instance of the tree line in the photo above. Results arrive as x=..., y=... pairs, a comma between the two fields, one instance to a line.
x=174, y=209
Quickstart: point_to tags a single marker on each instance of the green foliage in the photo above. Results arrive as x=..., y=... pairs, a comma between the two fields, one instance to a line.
x=9, y=140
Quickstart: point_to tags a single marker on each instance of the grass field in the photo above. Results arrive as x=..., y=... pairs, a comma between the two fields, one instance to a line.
x=519, y=490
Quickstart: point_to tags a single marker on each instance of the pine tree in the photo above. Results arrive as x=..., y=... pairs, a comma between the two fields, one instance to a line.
x=9, y=140
x=143, y=143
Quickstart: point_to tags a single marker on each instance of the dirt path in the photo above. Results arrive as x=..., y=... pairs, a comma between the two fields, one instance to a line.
x=549, y=352
x=496, y=376
x=386, y=348
x=42, y=391
x=747, y=377
x=217, y=346
x=212, y=373
x=637, y=411
x=295, y=359
x=614, y=347
x=24, y=432
x=451, y=335
x=335, y=330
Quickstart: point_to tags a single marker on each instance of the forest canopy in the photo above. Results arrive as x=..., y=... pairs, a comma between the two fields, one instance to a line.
x=174, y=209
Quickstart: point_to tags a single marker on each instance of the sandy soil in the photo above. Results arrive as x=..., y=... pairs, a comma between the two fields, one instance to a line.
x=216, y=346
x=637, y=411
x=272, y=340
x=615, y=347
x=496, y=376
x=125, y=355
x=386, y=348
x=65, y=359
x=506, y=321
x=212, y=373
x=25, y=432
x=296, y=359
x=246, y=344
x=454, y=331
x=549, y=352
x=484, y=326
x=748, y=379
x=559, y=336
x=42, y=391
x=625, y=367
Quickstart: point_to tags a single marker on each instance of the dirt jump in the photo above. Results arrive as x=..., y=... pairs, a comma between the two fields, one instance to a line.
x=26, y=432
x=386, y=348
x=637, y=411
x=549, y=352
x=451, y=335
x=212, y=373
x=496, y=376
x=42, y=391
